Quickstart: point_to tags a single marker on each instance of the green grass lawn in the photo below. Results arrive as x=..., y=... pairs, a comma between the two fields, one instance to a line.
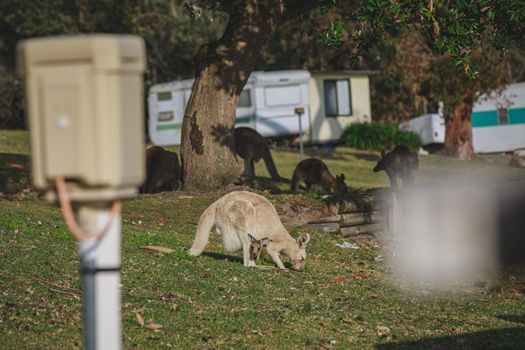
x=213, y=302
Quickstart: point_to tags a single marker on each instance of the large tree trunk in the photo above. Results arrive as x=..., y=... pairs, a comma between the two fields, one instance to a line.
x=222, y=68
x=458, y=132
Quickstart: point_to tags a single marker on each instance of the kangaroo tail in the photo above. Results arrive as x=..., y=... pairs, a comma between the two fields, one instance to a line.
x=206, y=222
x=270, y=165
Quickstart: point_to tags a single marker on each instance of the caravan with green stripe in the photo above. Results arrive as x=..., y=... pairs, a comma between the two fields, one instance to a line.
x=267, y=104
x=270, y=103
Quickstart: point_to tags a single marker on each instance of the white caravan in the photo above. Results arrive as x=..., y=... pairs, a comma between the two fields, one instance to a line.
x=430, y=127
x=498, y=122
x=267, y=103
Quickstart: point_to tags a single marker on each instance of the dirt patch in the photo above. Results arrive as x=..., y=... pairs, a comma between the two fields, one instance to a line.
x=298, y=210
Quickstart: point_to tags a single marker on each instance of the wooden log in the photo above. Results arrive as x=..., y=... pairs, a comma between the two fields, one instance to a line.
x=350, y=231
x=333, y=218
x=328, y=227
x=353, y=219
x=353, y=204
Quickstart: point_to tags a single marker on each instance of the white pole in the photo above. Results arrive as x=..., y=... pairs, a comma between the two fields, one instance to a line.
x=299, y=112
x=100, y=274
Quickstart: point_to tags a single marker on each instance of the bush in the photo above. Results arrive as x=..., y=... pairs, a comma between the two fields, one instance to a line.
x=376, y=136
x=11, y=101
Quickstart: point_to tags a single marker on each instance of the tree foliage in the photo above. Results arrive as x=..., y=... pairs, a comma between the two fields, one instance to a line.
x=456, y=28
x=171, y=30
x=467, y=41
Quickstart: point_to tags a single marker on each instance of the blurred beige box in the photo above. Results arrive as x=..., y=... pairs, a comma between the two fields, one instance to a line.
x=85, y=109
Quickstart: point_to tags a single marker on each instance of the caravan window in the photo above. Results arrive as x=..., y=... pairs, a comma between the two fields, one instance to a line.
x=245, y=99
x=282, y=95
x=164, y=96
x=165, y=116
x=337, y=98
x=503, y=116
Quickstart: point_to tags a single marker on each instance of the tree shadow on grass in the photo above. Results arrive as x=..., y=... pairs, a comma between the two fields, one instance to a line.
x=221, y=256
x=365, y=156
x=266, y=184
x=504, y=338
x=514, y=318
x=14, y=173
x=314, y=153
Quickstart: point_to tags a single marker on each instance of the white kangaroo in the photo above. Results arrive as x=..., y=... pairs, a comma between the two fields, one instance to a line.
x=240, y=213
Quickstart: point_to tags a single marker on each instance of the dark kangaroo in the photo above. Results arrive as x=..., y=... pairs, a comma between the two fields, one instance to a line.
x=251, y=146
x=401, y=162
x=315, y=173
x=162, y=170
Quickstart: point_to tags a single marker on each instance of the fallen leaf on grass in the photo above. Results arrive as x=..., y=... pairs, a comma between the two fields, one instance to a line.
x=154, y=326
x=514, y=291
x=383, y=331
x=15, y=166
x=338, y=280
x=158, y=249
x=139, y=318
x=411, y=329
x=359, y=276
x=256, y=331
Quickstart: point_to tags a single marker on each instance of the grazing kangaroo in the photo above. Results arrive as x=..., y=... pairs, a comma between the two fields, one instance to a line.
x=251, y=146
x=162, y=170
x=402, y=162
x=240, y=214
x=315, y=173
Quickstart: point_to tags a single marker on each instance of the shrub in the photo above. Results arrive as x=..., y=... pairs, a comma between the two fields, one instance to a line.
x=11, y=101
x=376, y=136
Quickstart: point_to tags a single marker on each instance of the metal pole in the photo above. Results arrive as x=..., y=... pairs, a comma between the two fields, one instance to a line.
x=299, y=112
x=100, y=275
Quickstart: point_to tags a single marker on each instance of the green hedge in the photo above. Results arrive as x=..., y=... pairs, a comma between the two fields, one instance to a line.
x=11, y=101
x=376, y=136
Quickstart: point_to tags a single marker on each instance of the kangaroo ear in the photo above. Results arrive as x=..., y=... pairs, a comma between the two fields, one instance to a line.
x=383, y=153
x=252, y=239
x=303, y=239
x=342, y=177
x=265, y=241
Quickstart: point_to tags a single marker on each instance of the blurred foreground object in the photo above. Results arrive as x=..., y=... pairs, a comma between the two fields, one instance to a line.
x=457, y=231
x=84, y=109
x=85, y=112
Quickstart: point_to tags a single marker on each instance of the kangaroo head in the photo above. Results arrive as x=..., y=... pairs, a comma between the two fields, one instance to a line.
x=381, y=163
x=340, y=185
x=298, y=257
x=256, y=246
